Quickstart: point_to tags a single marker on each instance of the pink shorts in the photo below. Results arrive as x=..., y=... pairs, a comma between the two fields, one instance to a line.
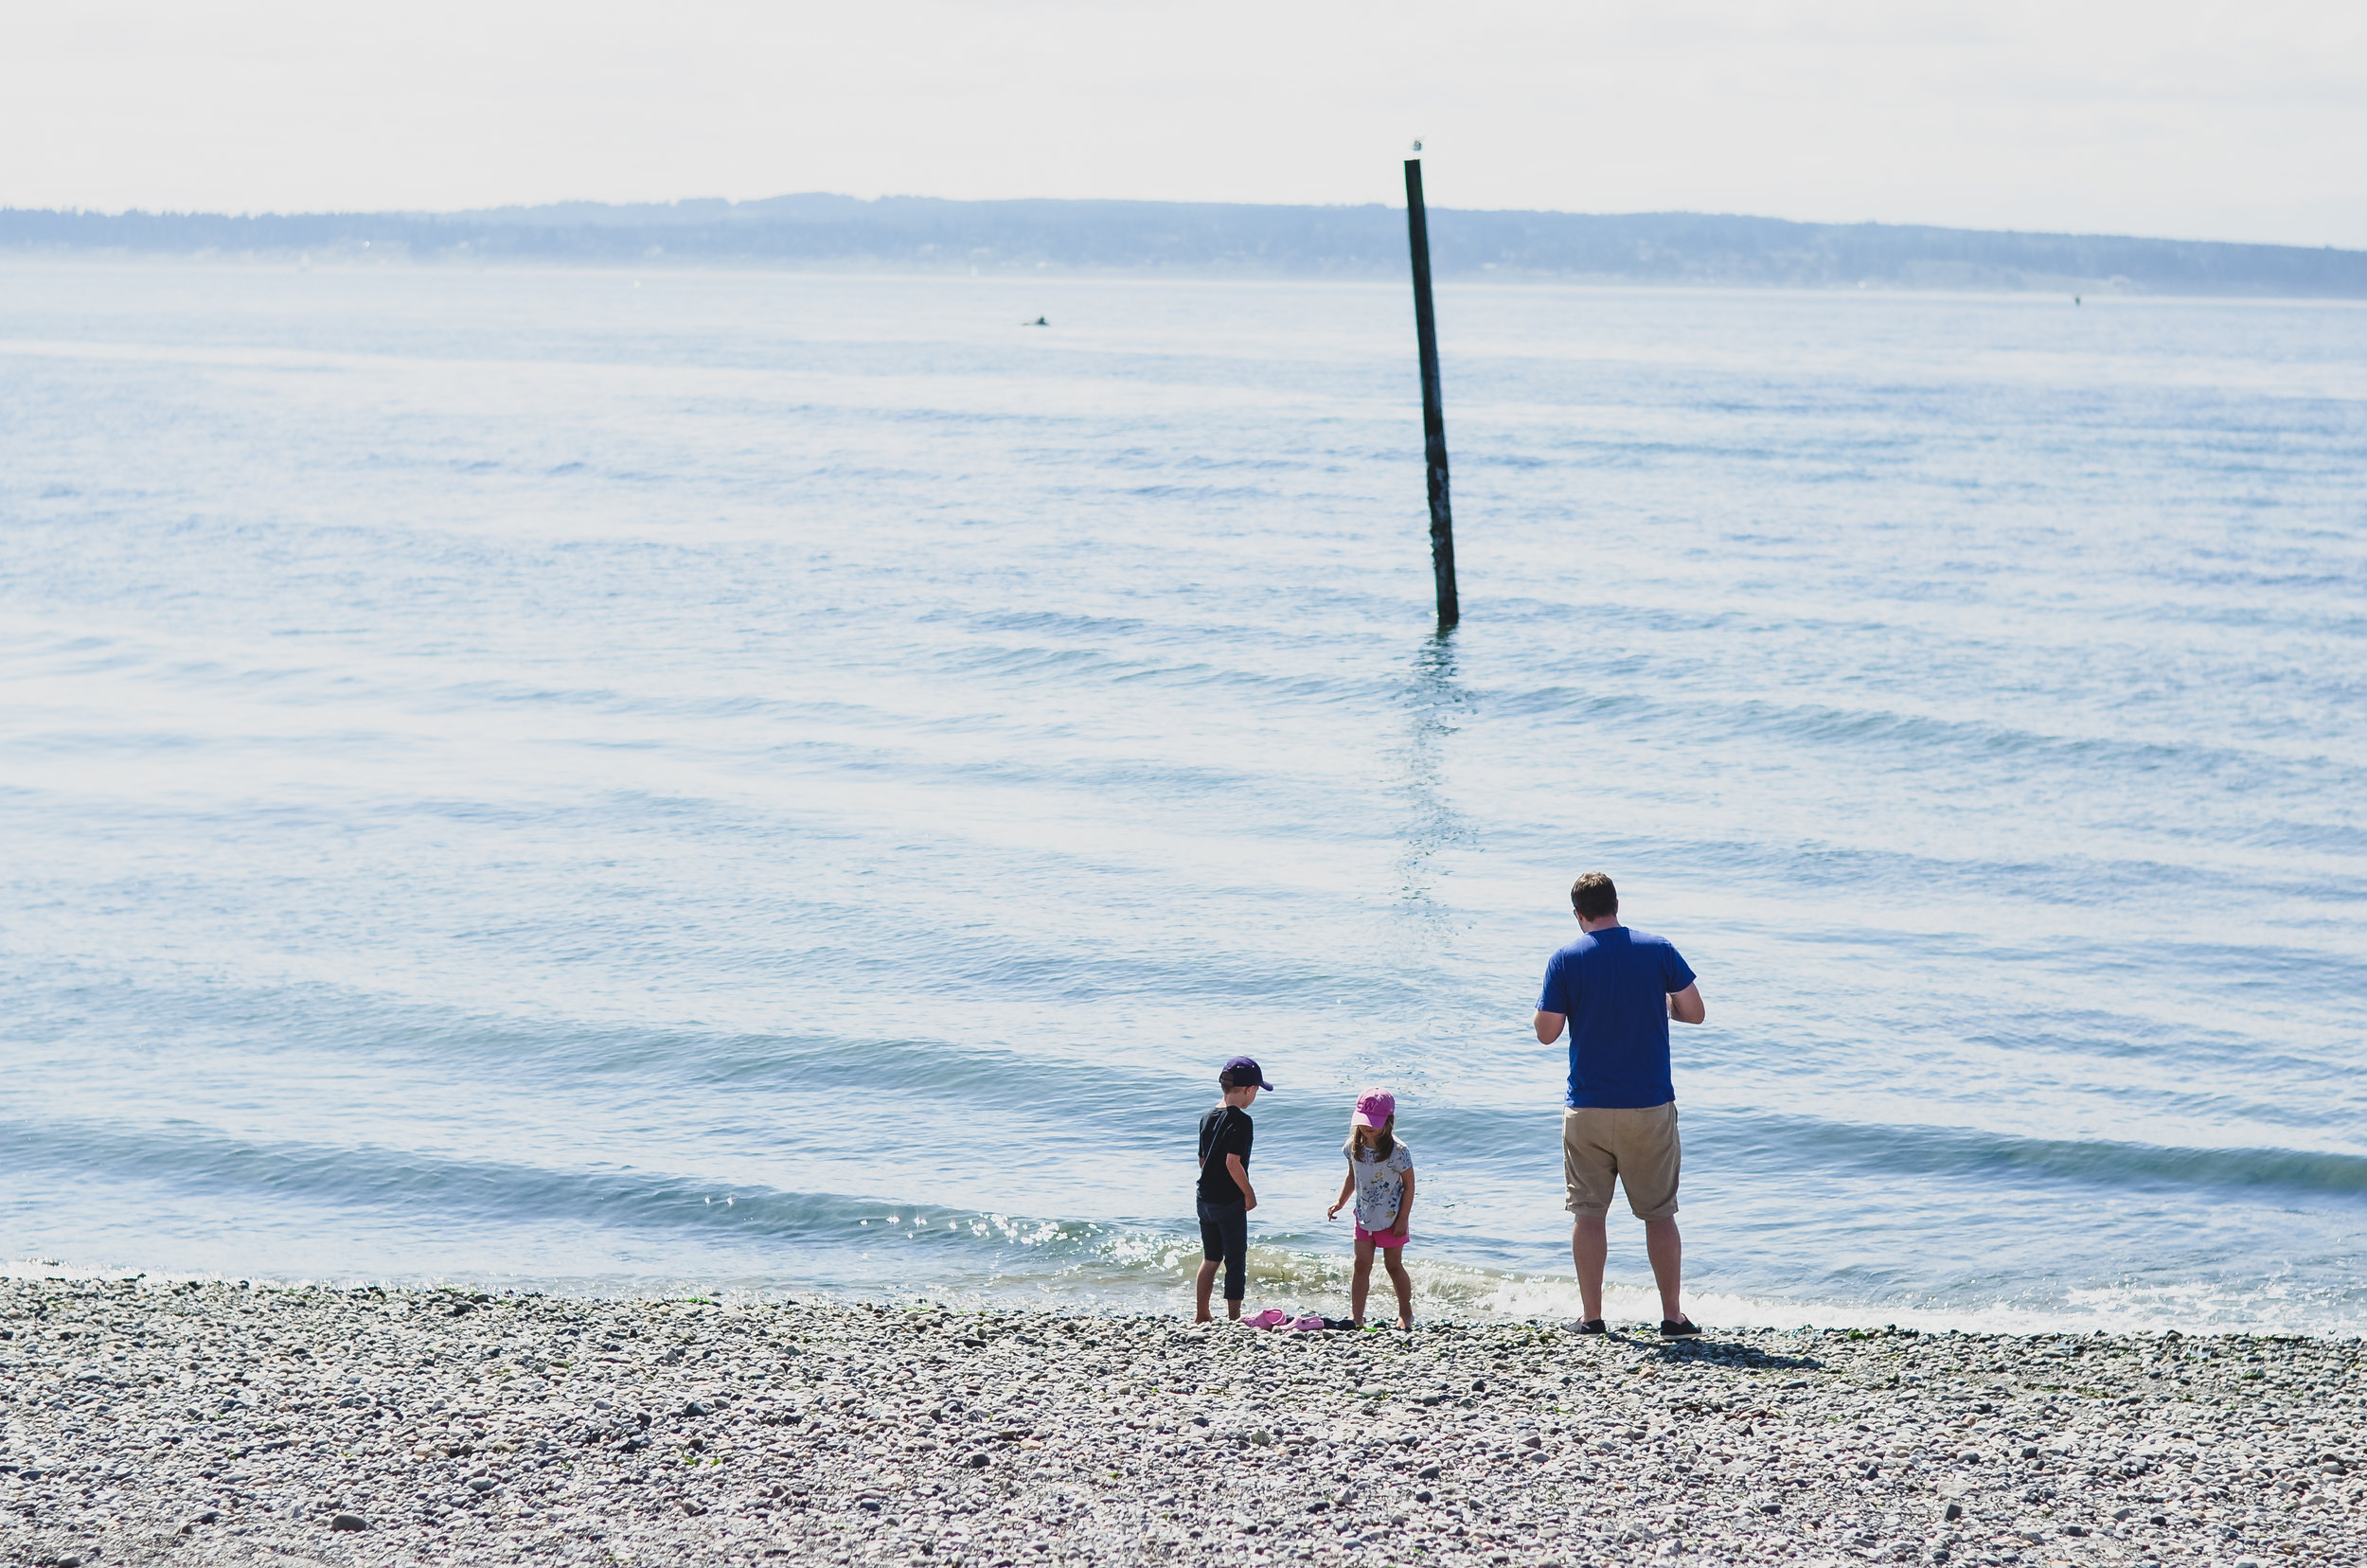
x=1385, y=1240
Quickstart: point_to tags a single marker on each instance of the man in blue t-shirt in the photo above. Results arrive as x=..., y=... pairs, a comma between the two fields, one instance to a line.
x=1617, y=989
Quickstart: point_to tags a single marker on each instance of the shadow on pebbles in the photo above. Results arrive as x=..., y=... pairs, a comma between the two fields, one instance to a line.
x=197, y=1424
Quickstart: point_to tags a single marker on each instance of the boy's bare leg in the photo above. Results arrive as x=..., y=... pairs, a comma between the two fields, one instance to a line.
x=1201, y=1287
x=1361, y=1284
x=1404, y=1282
x=1590, y=1243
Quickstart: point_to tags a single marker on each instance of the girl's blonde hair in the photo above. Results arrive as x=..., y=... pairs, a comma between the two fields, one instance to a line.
x=1384, y=1139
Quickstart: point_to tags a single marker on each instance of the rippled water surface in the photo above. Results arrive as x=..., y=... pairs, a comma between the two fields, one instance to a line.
x=783, y=783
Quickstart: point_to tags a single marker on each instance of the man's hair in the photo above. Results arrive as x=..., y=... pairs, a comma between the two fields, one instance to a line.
x=1593, y=897
x=1235, y=1081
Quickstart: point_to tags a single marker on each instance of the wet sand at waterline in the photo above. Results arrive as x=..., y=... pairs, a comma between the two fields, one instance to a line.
x=149, y=1422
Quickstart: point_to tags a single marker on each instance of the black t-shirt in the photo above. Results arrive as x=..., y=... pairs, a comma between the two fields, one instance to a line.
x=1223, y=1130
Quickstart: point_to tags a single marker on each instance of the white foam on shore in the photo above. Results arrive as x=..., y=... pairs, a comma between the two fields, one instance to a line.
x=49, y=1267
x=1319, y=1283
x=2122, y=1311
x=1459, y=1290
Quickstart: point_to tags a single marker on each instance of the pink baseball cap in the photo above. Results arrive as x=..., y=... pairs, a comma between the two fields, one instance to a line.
x=1374, y=1108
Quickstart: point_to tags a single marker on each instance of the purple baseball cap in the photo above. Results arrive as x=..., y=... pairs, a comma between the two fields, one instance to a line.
x=1243, y=1071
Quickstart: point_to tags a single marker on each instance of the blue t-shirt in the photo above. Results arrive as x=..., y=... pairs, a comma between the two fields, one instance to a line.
x=1613, y=986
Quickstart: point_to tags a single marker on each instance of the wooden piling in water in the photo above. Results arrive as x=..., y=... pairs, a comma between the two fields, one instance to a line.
x=1433, y=407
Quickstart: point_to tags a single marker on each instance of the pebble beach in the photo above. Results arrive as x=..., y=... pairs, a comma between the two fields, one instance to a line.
x=225, y=1423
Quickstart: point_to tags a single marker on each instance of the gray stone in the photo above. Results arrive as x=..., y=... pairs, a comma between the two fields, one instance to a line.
x=870, y=1439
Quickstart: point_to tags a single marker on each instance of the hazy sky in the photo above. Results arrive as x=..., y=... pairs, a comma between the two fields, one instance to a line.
x=2243, y=119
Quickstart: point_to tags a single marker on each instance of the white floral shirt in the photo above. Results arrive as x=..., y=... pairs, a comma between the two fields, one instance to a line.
x=1379, y=1185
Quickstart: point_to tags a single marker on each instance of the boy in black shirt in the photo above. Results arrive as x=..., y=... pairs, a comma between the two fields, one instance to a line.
x=1225, y=1195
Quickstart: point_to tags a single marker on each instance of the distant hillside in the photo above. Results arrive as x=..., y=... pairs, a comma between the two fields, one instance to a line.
x=905, y=233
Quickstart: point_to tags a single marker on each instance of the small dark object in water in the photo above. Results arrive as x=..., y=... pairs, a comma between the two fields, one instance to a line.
x=1038, y=322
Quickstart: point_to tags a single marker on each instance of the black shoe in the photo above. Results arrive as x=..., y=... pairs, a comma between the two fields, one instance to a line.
x=1679, y=1329
x=1594, y=1326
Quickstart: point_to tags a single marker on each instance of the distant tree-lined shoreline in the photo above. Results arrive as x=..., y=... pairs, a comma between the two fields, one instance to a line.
x=907, y=233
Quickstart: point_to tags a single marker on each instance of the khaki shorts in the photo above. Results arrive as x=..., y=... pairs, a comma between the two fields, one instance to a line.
x=1638, y=1149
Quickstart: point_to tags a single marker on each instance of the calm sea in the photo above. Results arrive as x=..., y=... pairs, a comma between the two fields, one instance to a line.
x=700, y=781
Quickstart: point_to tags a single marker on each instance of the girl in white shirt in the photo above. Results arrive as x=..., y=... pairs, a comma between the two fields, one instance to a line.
x=1381, y=1179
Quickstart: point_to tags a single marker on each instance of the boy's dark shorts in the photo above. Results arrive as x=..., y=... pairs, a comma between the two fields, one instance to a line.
x=1224, y=1237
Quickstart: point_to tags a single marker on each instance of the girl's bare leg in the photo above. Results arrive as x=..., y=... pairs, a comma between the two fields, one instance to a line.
x=1361, y=1284
x=1395, y=1260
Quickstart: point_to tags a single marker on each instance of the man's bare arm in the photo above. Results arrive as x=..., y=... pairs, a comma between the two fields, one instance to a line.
x=1686, y=1006
x=1549, y=1027
x=1240, y=1179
